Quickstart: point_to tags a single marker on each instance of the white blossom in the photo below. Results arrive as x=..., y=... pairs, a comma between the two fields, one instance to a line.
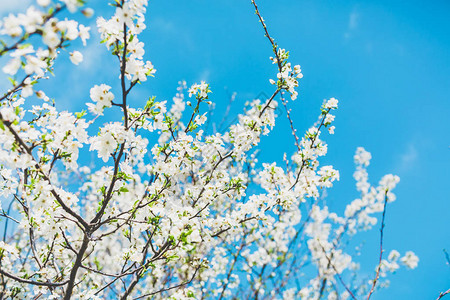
x=76, y=57
x=410, y=260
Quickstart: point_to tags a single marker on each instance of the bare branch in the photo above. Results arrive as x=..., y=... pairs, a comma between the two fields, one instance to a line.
x=381, y=247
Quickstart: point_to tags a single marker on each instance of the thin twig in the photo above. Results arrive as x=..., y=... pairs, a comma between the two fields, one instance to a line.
x=447, y=257
x=172, y=287
x=381, y=247
x=443, y=294
x=337, y=273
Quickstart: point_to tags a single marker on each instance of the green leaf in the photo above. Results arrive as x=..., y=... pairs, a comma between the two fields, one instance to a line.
x=13, y=82
x=123, y=189
x=80, y=114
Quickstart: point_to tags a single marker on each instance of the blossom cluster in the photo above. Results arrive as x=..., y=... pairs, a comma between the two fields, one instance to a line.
x=54, y=34
x=288, y=76
x=120, y=32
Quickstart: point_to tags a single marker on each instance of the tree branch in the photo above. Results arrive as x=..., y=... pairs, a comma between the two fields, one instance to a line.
x=381, y=247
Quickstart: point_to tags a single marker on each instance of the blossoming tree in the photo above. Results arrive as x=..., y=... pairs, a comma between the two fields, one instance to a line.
x=168, y=210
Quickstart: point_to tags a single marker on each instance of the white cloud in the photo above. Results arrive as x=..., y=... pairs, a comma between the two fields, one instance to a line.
x=204, y=75
x=410, y=155
x=7, y=6
x=353, y=22
x=164, y=25
x=170, y=31
x=93, y=54
x=408, y=158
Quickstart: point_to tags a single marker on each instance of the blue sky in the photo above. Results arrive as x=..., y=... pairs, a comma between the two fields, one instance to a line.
x=387, y=62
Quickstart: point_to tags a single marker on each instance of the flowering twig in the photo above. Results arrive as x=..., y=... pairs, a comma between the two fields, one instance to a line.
x=381, y=247
x=442, y=294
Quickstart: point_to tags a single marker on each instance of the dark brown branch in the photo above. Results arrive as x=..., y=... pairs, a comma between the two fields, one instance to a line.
x=272, y=42
x=22, y=280
x=76, y=266
x=125, y=92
